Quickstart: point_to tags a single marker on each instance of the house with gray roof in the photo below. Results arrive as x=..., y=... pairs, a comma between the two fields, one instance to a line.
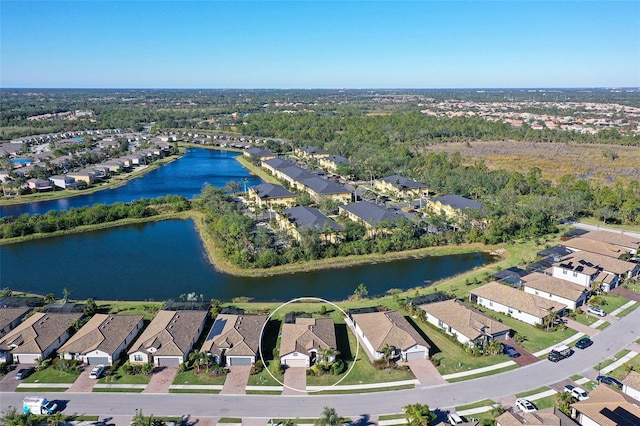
x=320, y=188
x=401, y=186
x=295, y=219
x=302, y=342
x=259, y=153
x=370, y=215
x=102, y=339
x=235, y=339
x=310, y=152
x=452, y=205
x=269, y=194
x=331, y=162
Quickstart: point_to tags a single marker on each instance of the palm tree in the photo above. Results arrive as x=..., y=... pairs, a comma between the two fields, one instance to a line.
x=564, y=401
x=326, y=354
x=329, y=418
x=387, y=352
x=418, y=415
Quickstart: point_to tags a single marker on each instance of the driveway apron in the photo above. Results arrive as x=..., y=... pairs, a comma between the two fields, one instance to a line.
x=236, y=380
x=426, y=373
x=161, y=380
x=83, y=383
x=295, y=381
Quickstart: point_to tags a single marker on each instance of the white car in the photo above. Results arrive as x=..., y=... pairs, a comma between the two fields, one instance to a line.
x=525, y=405
x=577, y=392
x=597, y=311
x=96, y=372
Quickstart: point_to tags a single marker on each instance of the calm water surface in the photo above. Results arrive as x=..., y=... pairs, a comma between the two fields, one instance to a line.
x=165, y=259
x=185, y=176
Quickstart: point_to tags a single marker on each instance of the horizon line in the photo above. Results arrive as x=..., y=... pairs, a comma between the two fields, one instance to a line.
x=330, y=88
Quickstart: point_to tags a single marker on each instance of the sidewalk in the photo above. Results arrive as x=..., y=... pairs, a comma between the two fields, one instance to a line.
x=609, y=368
x=623, y=307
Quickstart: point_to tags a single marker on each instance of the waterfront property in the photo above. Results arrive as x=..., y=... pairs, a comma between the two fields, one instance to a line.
x=571, y=294
x=371, y=215
x=234, y=339
x=296, y=219
x=270, y=195
x=303, y=341
x=168, y=339
x=452, y=205
x=10, y=318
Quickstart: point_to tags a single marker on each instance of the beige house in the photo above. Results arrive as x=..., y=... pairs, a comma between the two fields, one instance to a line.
x=452, y=206
x=269, y=195
x=401, y=187
x=102, y=339
x=468, y=325
x=585, y=268
x=376, y=330
x=606, y=407
x=594, y=246
x=302, y=342
x=308, y=152
x=331, y=162
x=555, y=289
x=296, y=219
x=546, y=417
x=616, y=239
x=168, y=339
x=235, y=339
x=631, y=385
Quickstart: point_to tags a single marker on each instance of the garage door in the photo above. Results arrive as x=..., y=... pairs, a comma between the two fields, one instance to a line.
x=415, y=355
x=95, y=360
x=296, y=362
x=239, y=361
x=168, y=362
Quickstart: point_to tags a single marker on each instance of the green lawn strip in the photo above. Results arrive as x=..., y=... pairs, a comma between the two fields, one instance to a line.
x=603, y=325
x=297, y=421
x=546, y=402
x=367, y=390
x=585, y=319
x=125, y=379
x=610, y=361
x=532, y=392
x=391, y=417
x=51, y=375
x=123, y=390
x=613, y=302
x=478, y=404
x=229, y=420
x=256, y=170
x=263, y=392
x=633, y=287
x=628, y=310
x=148, y=309
x=191, y=378
x=576, y=377
x=620, y=372
x=32, y=390
x=264, y=378
x=486, y=373
x=211, y=391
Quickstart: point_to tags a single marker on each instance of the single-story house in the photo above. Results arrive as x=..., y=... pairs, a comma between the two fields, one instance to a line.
x=615, y=238
x=295, y=219
x=467, y=324
x=401, y=186
x=631, y=384
x=584, y=268
x=331, y=162
x=302, y=342
x=63, y=181
x=10, y=318
x=37, y=337
x=452, y=205
x=269, y=194
x=376, y=330
x=235, y=339
x=169, y=338
x=87, y=175
x=102, y=339
x=606, y=406
x=39, y=184
x=518, y=304
x=594, y=246
x=547, y=417
x=548, y=287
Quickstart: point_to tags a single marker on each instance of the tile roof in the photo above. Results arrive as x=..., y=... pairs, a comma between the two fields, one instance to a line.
x=237, y=335
x=594, y=246
x=36, y=333
x=632, y=380
x=583, y=260
x=614, y=238
x=9, y=315
x=605, y=405
x=372, y=213
x=392, y=328
x=545, y=417
x=458, y=202
x=517, y=299
x=170, y=332
x=102, y=332
x=310, y=217
x=307, y=334
x=465, y=320
x=557, y=286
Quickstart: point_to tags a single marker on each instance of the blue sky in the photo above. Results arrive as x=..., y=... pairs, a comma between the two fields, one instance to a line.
x=317, y=44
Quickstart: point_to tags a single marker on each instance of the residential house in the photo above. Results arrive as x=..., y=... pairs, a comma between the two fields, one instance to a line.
x=296, y=219
x=631, y=384
x=585, y=268
x=39, y=184
x=452, y=206
x=259, y=153
x=169, y=338
x=269, y=195
x=378, y=330
x=310, y=152
x=235, y=339
x=615, y=238
x=63, y=182
x=518, y=304
x=331, y=162
x=371, y=215
x=555, y=289
x=87, y=175
x=594, y=246
x=303, y=341
x=37, y=337
x=547, y=417
x=606, y=407
x=10, y=318
x=287, y=172
x=320, y=188
x=11, y=149
x=102, y=339
x=468, y=325
x=401, y=187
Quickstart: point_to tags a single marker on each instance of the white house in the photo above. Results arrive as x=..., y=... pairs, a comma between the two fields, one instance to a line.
x=63, y=181
x=631, y=385
x=555, y=289
x=302, y=342
x=584, y=268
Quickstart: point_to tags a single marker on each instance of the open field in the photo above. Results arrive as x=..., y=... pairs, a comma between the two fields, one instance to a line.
x=554, y=159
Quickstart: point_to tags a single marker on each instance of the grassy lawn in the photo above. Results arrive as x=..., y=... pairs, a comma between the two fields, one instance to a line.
x=585, y=318
x=191, y=378
x=610, y=361
x=546, y=402
x=486, y=373
x=596, y=222
x=532, y=392
x=211, y=391
x=603, y=325
x=264, y=378
x=31, y=390
x=478, y=404
x=620, y=372
x=125, y=379
x=148, y=309
x=51, y=375
x=352, y=391
x=128, y=390
x=613, y=302
x=628, y=310
x=633, y=287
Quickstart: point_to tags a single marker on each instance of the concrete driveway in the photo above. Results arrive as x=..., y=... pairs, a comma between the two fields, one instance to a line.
x=9, y=382
x=236, y=380
x=426, y=373
x=83, y=383
x=525, y=358
x=161, y=380
x=295, y=381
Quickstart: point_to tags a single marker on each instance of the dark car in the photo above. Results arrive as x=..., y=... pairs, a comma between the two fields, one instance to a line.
x=583, y=343
x=24, y=373
x=511, y=353
x=609, y=381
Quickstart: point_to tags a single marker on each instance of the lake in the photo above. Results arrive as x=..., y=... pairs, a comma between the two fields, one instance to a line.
x=161, y=260
x=185, y=176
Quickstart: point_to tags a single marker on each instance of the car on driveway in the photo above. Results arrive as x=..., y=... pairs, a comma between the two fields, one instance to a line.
x=577, y=392
x=525, y=405
x=597, y=310
x=583, y=343
x=23, y=373
x=96, y=372
x=607, y=380
x=511, y=353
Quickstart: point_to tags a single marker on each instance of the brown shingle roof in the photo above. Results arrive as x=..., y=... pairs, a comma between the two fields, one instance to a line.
x=392, y=328
x=604, y=400
x=170, y=332
x=517, y=299
x=549, y=284
x=235, y=335
x=614, y=238
x=9, y=315
x=307, y=334
x=37, y=332
x=465, y=320
x=102, y=332
x=594, y=246
x=632, y=380
x=545, y=417
x=593, y=262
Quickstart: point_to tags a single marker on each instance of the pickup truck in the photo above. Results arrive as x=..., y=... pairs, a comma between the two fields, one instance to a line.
x=560, y=352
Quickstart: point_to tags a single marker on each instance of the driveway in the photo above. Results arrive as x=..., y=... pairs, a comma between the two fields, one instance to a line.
x=426, y=373
x=9, y=382
x=83, y=383
x=621, y=291
x=295, y=381
x=236, y=380
x=575, y=325
x=161, y=380
x=525, y=358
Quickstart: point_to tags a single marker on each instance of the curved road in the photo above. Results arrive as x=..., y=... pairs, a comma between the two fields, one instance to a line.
x=606, y=343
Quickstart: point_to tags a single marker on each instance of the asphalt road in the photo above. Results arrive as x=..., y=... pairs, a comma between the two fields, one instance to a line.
x=606, y=343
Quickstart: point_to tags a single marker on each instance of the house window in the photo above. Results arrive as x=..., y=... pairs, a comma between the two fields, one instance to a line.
x=536, y=292
x=490, y=303
x=137, y=358
x=575, y=274
x=564, y=271
x=510, y=311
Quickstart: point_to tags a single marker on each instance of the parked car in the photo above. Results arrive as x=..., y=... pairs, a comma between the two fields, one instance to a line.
x=583, y=343
x=597, y=310
x=607, y=380
x=559, y=353
x=510, y=351
x=577, y=392
x=24, y=373
x=96, y=372
x=454, y=419
x=525, y=405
